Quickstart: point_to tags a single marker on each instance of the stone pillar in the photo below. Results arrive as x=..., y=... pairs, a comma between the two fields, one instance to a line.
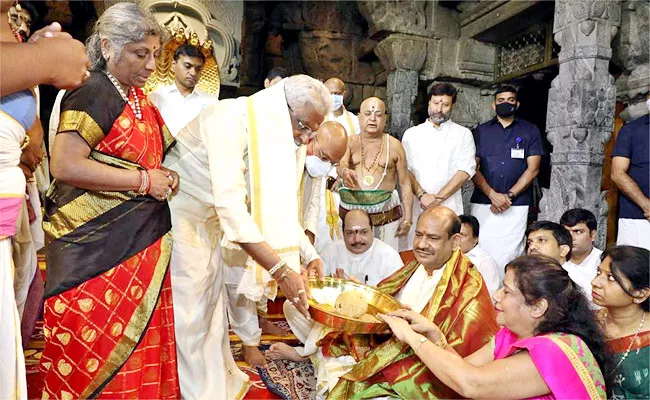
x=403, y=56
x=402, y=88
x=581, y=107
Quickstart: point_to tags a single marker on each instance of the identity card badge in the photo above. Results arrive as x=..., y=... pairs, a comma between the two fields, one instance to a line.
x=517, y=152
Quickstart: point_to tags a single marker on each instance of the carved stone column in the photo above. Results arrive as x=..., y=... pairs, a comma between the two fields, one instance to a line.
x=581, y=107
x=403, y=56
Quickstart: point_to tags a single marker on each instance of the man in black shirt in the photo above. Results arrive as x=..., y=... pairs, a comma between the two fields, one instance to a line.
x=508, y=155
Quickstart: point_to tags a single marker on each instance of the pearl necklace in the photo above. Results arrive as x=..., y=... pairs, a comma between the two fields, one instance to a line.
x=629, y=347
x=135, y=105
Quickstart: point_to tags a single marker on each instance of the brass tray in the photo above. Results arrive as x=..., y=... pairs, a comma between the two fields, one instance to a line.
x=329, y=287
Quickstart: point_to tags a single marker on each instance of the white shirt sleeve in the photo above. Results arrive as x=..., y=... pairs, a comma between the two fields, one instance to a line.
x=490, y=272
x=464, y=159
x=406, y=144
x=392, y=263
x=310, y=220
x=226, y=140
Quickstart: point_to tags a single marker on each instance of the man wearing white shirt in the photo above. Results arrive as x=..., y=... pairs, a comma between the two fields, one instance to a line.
x=329, y=223
x=585, y=258
x=485, y=264
x=440, y=156
x=360, y=256
x=182, y=101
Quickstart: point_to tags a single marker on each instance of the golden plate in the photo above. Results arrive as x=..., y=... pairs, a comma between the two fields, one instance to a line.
x=324, y=313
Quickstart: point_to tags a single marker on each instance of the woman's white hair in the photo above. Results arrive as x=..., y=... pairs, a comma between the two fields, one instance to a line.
x=303, y=90
x=121, y=24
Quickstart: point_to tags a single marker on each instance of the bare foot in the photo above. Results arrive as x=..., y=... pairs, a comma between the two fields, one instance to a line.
x=269, y=327
x=253, y=356
x=282, y=351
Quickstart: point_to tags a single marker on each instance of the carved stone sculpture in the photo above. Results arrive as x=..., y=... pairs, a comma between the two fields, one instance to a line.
x=581, y=105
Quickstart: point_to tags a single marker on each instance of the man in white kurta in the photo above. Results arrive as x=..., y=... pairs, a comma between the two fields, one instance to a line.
x=360, y=256
x=182, y=101
x=585, y=257
x=329, y=223
x=469, y=233
x=440, y=156
x=233, y=145
x=312, y=161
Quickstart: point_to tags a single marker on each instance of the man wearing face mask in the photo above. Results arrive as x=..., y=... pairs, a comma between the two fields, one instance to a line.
x=329, y=223
x=508, y=155
x=630, y=171
x=329, y=146
x=438, y=173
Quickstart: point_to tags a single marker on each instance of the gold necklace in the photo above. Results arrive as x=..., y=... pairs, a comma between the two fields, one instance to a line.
x=629, y=347
x=368, y=180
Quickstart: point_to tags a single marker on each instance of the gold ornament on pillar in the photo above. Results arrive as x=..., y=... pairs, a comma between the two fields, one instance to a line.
x=210, y=80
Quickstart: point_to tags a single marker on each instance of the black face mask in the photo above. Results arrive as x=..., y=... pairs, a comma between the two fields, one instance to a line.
x=506, y=110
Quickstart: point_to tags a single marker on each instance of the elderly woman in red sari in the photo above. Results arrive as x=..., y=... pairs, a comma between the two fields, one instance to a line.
x=622, y=288
x=109, y=328
x=550, y=345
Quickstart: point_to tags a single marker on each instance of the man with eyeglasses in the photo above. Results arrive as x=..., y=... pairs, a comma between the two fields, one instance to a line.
x=237, y=148
x=248, y=319
x=371, y=170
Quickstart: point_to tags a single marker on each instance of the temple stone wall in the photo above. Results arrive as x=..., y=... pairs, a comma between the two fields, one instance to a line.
x=323, y=39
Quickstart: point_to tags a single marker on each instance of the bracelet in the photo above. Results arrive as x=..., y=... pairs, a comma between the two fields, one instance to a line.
x=145, y=184
x=25, y=142
x=277, y=267
x=442, y=342
x=421, y=341
x=419, y=195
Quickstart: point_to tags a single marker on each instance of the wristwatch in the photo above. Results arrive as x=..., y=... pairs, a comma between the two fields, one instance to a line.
x=419, y=195
x=511, y=195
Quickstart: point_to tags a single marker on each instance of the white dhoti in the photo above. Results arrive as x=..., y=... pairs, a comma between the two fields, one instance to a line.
x=13, y=384
x=242, y=311
x=205, y=362
x=633, y=232
x=309, y=332
x=501, y=235
x=29, y=238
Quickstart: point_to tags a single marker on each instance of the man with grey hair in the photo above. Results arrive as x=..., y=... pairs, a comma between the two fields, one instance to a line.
x=237, y=205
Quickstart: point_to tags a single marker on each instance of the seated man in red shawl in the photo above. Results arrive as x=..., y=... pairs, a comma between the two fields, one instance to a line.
x=442, y=284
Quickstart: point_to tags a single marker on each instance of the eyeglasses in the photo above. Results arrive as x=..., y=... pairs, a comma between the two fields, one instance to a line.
x=303, y=127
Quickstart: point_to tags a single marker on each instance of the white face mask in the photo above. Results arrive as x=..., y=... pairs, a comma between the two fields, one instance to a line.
x=317, y=167
x=337, y=101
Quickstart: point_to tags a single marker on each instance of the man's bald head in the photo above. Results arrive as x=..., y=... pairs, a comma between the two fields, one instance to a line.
x=437, y=235
x=357, y=231
x=372, y=116
x=335, y=86
x=333, y=141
